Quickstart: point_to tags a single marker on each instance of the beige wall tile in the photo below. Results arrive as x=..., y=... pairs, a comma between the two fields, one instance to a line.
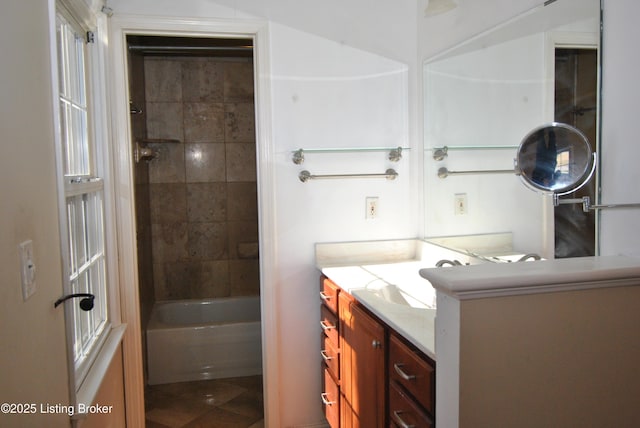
x=241, y=162
x=203, y=199
x=213, y=281
x=239, y=122
x=168, y=166
x=241, y=232
x=208, y=241
x=169, y=242
x=244, y=277
x=203, y=122
x=205, y=162
x=202, y=80
x=238, y=81
x=164, y=120
x=206, y=202
x=242, y=202
x=163, y=81
x=168, y=203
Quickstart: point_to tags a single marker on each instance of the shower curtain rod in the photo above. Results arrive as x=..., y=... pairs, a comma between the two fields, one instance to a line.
x=189, y=48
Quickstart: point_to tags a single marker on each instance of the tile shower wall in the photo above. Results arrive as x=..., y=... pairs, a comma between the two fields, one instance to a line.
x=203, y=198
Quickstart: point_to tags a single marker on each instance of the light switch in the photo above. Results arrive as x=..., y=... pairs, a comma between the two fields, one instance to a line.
x=27, y=269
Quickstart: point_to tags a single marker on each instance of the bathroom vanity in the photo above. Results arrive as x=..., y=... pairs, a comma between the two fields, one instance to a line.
x=537, y=343
x=367, y=364
x=377, y=341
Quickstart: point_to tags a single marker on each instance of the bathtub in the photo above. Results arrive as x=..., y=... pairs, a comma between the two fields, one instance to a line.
x=204, y=339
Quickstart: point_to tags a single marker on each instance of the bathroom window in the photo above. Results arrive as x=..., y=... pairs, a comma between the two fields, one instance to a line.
x=84, y=204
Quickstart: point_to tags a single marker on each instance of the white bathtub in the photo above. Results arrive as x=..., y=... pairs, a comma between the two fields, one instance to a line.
x=204, y=339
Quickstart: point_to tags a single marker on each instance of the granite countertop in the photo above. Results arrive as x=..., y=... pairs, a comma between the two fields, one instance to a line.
x=396, y=294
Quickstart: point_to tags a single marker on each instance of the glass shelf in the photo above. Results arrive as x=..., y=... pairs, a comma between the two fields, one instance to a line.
x=395, y=153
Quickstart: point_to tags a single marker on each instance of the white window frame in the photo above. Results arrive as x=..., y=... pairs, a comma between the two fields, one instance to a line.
x=86, y=373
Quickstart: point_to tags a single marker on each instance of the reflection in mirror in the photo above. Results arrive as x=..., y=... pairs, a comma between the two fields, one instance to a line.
x=483, y=96
x=555, y=158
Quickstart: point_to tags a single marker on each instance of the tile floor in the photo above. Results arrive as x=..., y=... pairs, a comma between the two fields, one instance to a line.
x=218, y=403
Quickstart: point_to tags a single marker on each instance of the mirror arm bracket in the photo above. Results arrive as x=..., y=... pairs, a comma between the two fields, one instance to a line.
x=587, y=206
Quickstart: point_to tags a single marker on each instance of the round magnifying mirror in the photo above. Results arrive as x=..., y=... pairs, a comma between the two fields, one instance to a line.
x=555, y=158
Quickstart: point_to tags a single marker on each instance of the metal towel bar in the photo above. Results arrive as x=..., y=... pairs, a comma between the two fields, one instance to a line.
x=305, y=175
x=444, y=172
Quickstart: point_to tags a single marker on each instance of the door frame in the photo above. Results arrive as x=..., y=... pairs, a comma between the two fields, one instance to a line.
x=566, y=40
x=121, y=153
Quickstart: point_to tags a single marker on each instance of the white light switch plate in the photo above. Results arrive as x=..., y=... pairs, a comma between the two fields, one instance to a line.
x=27, y=269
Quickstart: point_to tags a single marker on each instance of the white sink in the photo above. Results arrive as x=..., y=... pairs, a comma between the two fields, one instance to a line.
x=402, y=284
x=397, y=296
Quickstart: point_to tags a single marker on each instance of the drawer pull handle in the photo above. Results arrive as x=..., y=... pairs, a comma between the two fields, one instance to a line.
x=325, y=356
x=398, y=368
x=324, y=297
x=326, y=326
x=376, y=344
x=325, y=400
x=399, y=421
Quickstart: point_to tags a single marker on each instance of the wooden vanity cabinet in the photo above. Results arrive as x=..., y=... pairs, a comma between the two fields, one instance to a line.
x=371, y=376
x=330, y=351
x=362, y=366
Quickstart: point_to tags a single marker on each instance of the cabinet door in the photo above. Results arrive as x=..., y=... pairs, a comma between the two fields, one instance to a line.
x=362, y=367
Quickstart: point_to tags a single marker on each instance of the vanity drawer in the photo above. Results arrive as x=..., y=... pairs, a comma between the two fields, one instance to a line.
x=330, y=356
x=329, y=293
x=413, y=372
x=329, y=325
x=403, y=412
x=330, y=399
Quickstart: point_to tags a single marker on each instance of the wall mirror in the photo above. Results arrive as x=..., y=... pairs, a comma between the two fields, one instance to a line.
x=484, y=97
x=555, y=158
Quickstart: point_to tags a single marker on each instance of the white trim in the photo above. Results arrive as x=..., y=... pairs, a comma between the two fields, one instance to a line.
x=92, y=378
x=91, y=384
x=60, y=184
x=447, y=344
x=564, y=40
x=121, y=26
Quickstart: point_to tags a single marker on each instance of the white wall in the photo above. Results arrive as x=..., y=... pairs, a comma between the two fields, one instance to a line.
x=33, y=364
x=440, y=32
x=332, y=96
x=620, y=230
x=342, y=75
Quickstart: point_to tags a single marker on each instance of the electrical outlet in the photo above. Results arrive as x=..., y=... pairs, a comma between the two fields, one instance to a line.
x=460, y=203
x=371, y=207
